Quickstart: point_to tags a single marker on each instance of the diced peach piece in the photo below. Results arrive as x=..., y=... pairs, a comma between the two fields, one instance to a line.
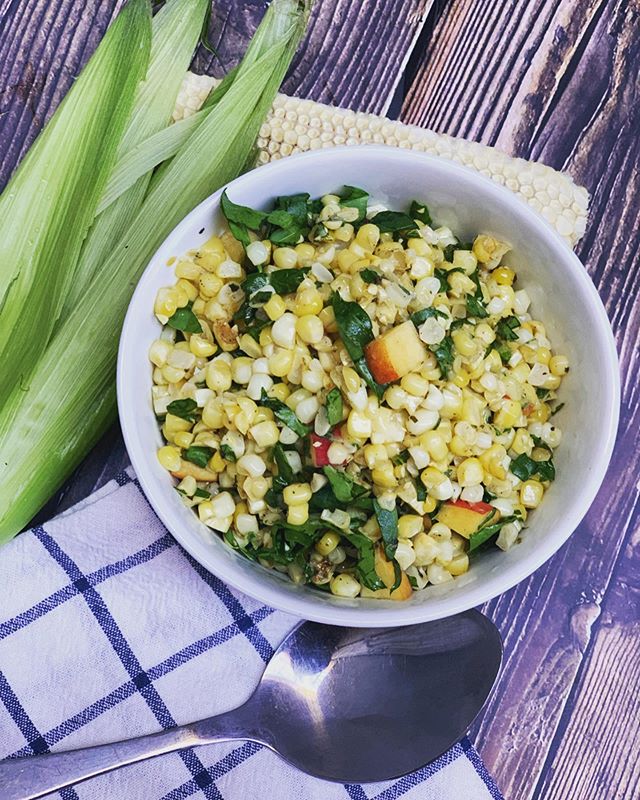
x=386, y=573
x=396, y=353
x=465, y=518
x=199, y=473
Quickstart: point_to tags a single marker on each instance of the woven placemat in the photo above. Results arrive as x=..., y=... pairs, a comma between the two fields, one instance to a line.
x=296, y=126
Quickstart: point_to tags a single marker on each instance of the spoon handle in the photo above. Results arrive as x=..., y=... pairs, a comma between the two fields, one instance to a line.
x=30, y=778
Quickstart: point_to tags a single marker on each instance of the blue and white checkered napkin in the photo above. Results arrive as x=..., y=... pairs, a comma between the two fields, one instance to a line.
x=110, y=630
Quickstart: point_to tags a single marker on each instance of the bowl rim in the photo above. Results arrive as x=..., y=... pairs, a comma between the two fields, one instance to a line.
x=392, y=614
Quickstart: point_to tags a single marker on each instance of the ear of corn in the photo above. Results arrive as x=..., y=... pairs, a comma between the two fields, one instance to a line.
x=175, y=32
x=70, y=397
x=47, y=207
x=296, y=126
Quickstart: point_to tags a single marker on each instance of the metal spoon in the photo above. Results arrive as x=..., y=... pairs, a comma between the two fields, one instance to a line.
x=344, y=704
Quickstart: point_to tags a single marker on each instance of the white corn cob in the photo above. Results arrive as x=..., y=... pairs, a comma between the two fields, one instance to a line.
x=295, y=126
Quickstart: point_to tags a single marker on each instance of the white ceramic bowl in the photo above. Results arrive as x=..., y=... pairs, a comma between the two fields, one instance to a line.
x=562, y=296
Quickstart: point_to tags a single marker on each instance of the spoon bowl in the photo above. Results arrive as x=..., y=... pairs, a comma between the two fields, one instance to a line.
x=342, y=704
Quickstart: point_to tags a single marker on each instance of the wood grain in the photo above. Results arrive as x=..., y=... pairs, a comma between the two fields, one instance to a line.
x=554, y=81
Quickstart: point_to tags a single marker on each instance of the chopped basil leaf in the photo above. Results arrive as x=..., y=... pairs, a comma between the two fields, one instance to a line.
x=344, y=487
x=241, y=219
x=185, y=320
x=442, y=274
x=556, y=409
x=542, y=393
x=198, y=454
x=475, y=307
x=418, y=317
x=421, y=492
x=486, y=532
x=281, y=219
x=354, y=326
x=202, y=493
x=503, y=351
x=397, y=575
x=284, y=467
x=366, y=566
x=388, y=522
x=444, y=355
x=183, y=408
x=286, y=281
x=401, y=458
x=506, y=328
x=524, y=468
x=394, y=222
x=421, y=212
x=334, y=407
x=227, y=453
x=352, y=197
x=284, y=414
x=370, y=276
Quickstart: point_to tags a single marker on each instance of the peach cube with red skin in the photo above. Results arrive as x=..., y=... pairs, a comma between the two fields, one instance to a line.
x=396, y=353
x=465, y=518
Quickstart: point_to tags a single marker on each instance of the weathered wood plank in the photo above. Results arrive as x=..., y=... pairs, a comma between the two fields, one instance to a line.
x=595, y=751
x=553, y=81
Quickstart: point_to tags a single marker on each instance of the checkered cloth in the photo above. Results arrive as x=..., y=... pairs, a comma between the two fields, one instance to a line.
x=111, y=630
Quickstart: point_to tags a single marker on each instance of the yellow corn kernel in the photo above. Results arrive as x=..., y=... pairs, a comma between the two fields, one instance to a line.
x=296, y=493
x=543, y=355
x=509, y=415
x=539, y=414
x=188, y=288
x=241, y=508
x=328, y=318
x=351, y=379
x=328, y=543
x=188, y=270
x=375, y=454
x=265, y=337
x=461, y=378
x=216, y=462
x=409, y=525
x=522, y=442
x=344, y=585
x=435, y=444
x=503, y=276
x=218, y=376
x=169, y=458
x=280, y=362
x=249, y=346
x=280, y=391
x=275, y=307
x=458, y=565
x=265, y=434
x=308, y=301
x=344, y=233
x=213, y=416
x=174, y=424
x=359, y=426
x=200, y=347
x=470, y=472
x=346, y=259
x=429, y=504
x=464, y=344
x=459, y=447
x=285, y=258
x=310, y=328
x=559, y=365
x=305, y=253
x=419, y=247
x=262, y=414
x=184, y=439
x=432, y=477
x=384, y=476
x=415, y=384
x=521, y=372
x=484, y=248
x=298, y=514
x=531, y=493
x=209, y=284
x=368, y=236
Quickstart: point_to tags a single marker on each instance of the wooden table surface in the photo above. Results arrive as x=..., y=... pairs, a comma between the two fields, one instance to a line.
x=551, y=80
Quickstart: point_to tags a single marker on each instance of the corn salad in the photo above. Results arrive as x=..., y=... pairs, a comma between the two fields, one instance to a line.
x=353, y=396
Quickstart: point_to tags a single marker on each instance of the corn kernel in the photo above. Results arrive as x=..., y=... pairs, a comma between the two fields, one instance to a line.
x=280, y=391
x=249, y=346
x=296, y=493
x=305, y=253
x=285, y=258
x=415, y=384
x=159, y=352
x=200, y=347
x=503, y=276
x=384, y=476
x=310, y=328
x=283, y=331
x=359, y=426
x=252, y=465
x=169, y=458
x=425, y=548
x=344, y=585
x=216, y=462
x=459, y=565
x=280, y=362
x=470, y=472
x=265, y=434
x=409, y=525
x=308, y=301
x=464, y=343
x=275, y=307
x=328, y=543
x=559, y=365
x=184, y=439
x=531, y=493
x=298, y=514
x=172, y=374
x=218, y=376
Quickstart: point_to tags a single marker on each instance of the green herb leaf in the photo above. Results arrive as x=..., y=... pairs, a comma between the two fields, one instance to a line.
x=334, y=407
x=506, y=328
x=524, y=468
x=388, y=522
x=418, y=317
x=366, y=566
x=486, y=532
x=202, y=493
x=394, y=222
x=421, y=492
x=198, y=454
x=344, y=487
x=370, y=276
x=444, y=355
x=401, y=458
x=420, y=211
x=284, y=414
x=183, y=408
x=286, y=281
x=354, y=326
x=397, y=575
x=227, y=453
x=442, y=274
x=284, y=467
x=556, y=409
x=241, y=219
x=185, y=320
x=475, y=307
x=352, y=197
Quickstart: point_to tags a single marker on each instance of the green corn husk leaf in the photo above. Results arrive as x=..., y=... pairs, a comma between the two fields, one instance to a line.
x=70, y=400
x=175, y=32
x=48, y=205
